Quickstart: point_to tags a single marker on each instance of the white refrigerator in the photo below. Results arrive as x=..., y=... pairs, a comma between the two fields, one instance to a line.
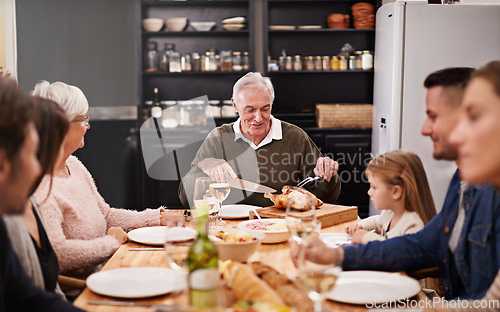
x=412, y=40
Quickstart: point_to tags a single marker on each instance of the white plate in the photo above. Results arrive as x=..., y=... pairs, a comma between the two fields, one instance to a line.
x=335, y=239
x=281, y=27
x=271, y=236
x=370, y=287
x=236, y=211
x=157, y=235
x=136, y=282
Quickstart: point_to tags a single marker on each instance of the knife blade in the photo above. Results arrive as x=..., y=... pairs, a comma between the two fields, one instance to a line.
x=250, y=186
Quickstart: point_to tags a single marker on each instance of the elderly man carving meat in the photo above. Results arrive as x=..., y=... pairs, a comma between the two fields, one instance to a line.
x=260, y=148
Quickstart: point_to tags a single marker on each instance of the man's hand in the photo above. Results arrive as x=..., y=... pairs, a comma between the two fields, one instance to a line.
x=326, y=168
x=216, y=168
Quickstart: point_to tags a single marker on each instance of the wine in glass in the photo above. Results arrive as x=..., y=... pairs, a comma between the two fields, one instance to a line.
x=318, y=280
x=219, y=188
x=300, y=218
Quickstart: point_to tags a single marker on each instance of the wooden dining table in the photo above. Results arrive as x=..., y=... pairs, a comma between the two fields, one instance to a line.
x=275, y=255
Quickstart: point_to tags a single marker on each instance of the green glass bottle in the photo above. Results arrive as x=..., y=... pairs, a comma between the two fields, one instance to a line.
x=202, y=264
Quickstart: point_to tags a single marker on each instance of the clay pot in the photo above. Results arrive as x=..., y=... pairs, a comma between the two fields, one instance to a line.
x=338, y=21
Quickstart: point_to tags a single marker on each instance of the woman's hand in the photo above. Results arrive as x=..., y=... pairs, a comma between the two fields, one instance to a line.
x=316, y=251
x=351, y=229
x=118, y=233
x=357, y=237
x=171, y=219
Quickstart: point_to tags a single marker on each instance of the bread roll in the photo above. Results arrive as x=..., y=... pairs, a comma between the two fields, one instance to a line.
x=247, y=286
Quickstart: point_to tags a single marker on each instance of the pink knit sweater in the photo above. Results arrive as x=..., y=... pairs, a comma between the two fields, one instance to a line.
x=77, y=219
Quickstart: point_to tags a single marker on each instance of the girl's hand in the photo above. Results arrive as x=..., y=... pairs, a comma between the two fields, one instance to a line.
x=171, y=219
x=351, y=229
x=357, y=237
x=118, y=233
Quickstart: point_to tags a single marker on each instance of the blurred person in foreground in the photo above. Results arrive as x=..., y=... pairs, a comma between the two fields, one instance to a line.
x=27, y=233
x=19, y=170
x=467, y=226
x=83, y=229
x=260, y=148
x=477, y=137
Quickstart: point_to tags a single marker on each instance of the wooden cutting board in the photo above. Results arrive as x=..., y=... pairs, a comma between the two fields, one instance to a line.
x=328, y=214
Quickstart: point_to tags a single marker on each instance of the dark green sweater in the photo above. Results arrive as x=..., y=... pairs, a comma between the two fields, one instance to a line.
x=279, y=163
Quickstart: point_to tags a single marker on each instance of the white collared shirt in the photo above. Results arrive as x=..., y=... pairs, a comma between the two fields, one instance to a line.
x=275, y=133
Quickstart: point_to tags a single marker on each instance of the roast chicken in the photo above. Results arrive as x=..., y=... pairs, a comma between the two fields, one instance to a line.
x=299, y=195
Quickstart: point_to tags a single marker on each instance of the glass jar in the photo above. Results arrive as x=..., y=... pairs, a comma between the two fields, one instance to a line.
x=318, y=63
x=289, y=63
x=308, y=63
x=214, y=109
x=164, y=55
x=335, y=63
x=185, y=108
x=237, y=61
x=210, y=61
x=151, y=57
x=245, y=62
x=198, y=115
x=297, y=63
x=174, y=62
x=226, y=61
x=281, y=63
x=171, y=115
x=325, y=64
x=343, y=63
x=227, y=109
x=359, y=63
x=367, y=60
x=195, y=62
x=186, y=64
x=352, y=62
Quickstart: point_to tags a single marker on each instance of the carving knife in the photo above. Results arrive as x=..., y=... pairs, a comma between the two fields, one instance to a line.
x=250, y=186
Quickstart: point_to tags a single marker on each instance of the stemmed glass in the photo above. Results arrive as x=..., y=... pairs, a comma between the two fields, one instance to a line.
x=318, y=280
x=203, y=196
x=219, y=188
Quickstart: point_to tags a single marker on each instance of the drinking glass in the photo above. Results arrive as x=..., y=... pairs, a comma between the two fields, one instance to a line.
x=203, y=196
x=318, y=280
x=219, y=188
x=301, y=222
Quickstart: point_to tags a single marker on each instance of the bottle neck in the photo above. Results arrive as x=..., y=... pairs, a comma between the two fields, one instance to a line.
x=202, y=226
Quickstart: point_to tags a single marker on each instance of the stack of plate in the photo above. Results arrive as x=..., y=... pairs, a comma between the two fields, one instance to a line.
x=234, y=23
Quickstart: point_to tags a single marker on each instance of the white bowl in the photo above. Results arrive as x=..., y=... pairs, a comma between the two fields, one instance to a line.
x=176, y=23
x=271, y=236
x=231, y=27
x=238, y=251
x=152, y=24
x=202, y=26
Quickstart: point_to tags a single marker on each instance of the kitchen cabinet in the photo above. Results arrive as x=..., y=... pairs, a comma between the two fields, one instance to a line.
x=297, y=92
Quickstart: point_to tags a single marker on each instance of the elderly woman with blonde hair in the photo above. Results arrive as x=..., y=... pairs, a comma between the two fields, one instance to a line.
x=83, y=229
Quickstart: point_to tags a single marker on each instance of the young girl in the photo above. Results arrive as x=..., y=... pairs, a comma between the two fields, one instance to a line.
x=399, y=187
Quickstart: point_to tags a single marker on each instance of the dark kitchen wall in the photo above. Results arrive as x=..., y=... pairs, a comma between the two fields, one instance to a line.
x=89, y=44
x=86, y=43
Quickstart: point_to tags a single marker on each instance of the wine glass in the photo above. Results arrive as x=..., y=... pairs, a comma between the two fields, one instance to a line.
x=318, y=280
x=219, y=188
x=300, y=218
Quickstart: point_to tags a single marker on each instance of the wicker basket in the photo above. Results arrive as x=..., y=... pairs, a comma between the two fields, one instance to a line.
x=344, y=115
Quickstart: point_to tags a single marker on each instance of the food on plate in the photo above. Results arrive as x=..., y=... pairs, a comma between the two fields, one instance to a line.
x=290, y=291
x=246, y=285
x=226, y=237
x=266, y=225
x=298, y=194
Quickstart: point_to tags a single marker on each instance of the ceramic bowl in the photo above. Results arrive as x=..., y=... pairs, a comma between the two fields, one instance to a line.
x=152, y=24
x=202, y=26
x=272, y=236
x=239, y=251
x=176, y=23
